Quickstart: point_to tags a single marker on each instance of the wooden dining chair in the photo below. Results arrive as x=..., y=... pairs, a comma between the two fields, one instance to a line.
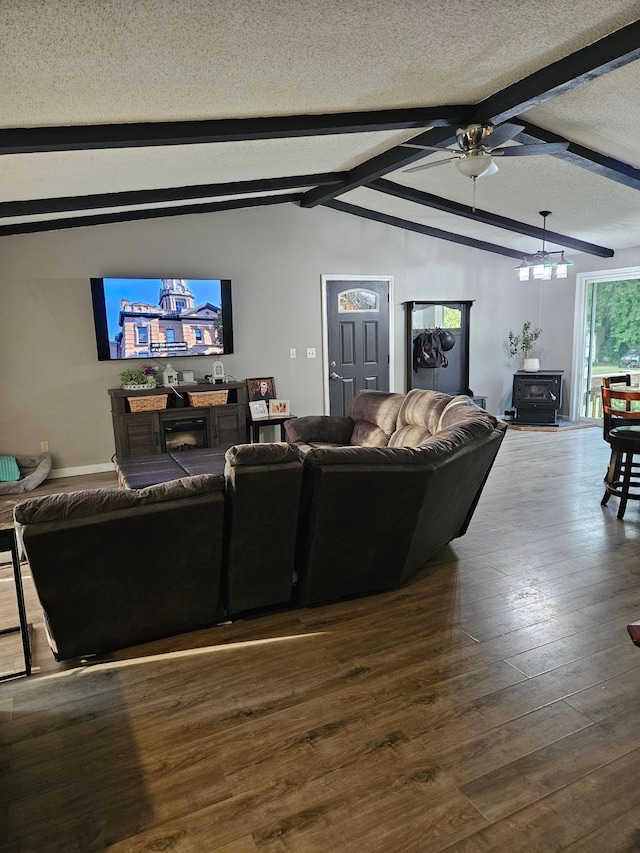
x=623, y=475
x=608, y=382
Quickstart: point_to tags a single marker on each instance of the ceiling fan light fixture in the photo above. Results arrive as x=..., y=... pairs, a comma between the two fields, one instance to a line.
x=474, y=164
x=523, y=270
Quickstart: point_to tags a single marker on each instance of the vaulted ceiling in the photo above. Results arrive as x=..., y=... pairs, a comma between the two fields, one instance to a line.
x=117, y=110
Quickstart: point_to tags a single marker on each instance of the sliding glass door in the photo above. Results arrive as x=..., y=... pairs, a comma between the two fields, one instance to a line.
x=611, y=335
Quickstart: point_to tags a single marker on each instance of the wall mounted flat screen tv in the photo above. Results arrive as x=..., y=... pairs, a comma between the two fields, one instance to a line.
x=162, y=317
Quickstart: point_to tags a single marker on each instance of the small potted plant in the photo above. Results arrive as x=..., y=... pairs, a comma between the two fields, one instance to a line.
x=525, y=341
x=138, y=378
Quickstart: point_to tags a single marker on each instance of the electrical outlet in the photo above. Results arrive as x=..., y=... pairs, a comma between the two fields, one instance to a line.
x=44, y=447
x=311, y=352
x=292, y=352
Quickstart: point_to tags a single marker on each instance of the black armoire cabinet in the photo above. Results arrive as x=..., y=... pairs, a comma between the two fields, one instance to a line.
x=454, y=318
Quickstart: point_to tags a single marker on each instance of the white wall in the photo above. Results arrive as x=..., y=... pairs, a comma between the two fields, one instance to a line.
x=53, y=388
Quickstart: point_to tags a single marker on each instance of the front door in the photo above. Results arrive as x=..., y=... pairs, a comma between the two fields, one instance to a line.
x=357, y=319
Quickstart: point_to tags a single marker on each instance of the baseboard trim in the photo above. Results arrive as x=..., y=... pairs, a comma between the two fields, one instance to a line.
x=56, y=473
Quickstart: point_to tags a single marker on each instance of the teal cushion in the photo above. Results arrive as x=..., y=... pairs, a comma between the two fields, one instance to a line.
x=9, y=471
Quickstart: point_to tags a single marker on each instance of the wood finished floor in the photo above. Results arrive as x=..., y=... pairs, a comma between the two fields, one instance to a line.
x=489, y=705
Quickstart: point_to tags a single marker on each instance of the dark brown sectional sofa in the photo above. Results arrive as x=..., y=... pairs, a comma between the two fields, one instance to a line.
x=348, y=506
x=386, y=488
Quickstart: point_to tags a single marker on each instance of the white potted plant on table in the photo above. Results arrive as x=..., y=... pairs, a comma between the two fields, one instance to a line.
x=524, y=341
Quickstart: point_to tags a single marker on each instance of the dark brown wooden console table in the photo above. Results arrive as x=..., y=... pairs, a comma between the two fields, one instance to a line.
x=8, y=542
x=144, y=433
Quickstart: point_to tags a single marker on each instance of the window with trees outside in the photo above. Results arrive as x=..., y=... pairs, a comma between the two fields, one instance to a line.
x=612, y=337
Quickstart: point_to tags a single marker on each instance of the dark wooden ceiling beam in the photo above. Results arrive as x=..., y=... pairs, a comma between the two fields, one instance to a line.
x=148, y=213
x=389, y=161
x=33, y=207
x=589, y=63
x=585, y=158
x=28, y=140
x=493, y=219
x=407, y=225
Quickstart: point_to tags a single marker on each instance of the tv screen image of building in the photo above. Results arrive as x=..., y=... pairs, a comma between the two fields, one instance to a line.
x=162, y=317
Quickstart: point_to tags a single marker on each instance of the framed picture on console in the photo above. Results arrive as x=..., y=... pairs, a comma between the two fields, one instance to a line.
x=258, y=409
x=261, y=389
x=278, y=407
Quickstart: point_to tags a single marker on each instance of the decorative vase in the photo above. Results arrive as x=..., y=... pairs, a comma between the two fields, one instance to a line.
x=531, y=365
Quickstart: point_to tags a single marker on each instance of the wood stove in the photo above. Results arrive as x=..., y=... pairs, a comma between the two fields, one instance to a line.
x=537, y=396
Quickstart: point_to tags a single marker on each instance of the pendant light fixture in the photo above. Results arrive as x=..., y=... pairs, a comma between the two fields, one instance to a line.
x=544, y=264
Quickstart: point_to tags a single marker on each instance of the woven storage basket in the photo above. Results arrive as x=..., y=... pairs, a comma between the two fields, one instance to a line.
x=207, y=398
x=148, y=404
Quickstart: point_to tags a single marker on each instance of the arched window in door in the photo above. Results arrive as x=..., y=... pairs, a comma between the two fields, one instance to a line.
x=358, y=299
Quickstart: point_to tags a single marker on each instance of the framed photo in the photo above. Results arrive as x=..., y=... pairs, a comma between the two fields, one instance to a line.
x=278, y=407
x=261, y=389
x=258, y=409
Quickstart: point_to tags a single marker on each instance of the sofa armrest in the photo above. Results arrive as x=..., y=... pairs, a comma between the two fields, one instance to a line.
x=319, y=428
x=264, y=453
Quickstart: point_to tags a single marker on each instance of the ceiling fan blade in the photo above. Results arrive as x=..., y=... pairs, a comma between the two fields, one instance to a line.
x=424, y=147
x=503, y=133
x=530, y=150
x=430, y=165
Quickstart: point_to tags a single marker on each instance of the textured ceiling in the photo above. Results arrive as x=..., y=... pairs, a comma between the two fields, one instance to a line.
x=74, y=63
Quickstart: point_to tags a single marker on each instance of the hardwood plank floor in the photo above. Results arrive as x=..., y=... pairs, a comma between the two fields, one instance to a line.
x=488, y=705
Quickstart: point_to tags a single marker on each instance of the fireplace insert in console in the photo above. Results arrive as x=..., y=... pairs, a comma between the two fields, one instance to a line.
x=184, y=434
x=537, y=396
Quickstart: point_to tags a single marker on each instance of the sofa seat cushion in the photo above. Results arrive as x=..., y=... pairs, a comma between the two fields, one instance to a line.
x=374, y=414
x=200, y=460
x=325, y=429
x=138, y=472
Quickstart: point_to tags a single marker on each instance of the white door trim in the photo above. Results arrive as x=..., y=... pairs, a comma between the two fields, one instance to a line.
x=582, y=279
x=325, y=331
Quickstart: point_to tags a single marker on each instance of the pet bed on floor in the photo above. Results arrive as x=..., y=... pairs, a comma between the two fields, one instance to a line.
x=33, y=471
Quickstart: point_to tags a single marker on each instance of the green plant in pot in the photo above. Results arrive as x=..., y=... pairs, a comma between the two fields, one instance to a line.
x=524, y=341
x=139, y=377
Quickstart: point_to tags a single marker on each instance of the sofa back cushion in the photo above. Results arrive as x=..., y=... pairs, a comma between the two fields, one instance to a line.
x=97, y=502
x=461, y=409
x=426, y=413
x=418, y=417
x=374, y=414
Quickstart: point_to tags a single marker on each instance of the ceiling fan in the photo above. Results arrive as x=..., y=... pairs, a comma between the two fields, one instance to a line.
x=479, y=144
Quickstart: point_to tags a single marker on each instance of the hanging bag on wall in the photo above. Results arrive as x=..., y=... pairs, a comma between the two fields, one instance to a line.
x=427, y=350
